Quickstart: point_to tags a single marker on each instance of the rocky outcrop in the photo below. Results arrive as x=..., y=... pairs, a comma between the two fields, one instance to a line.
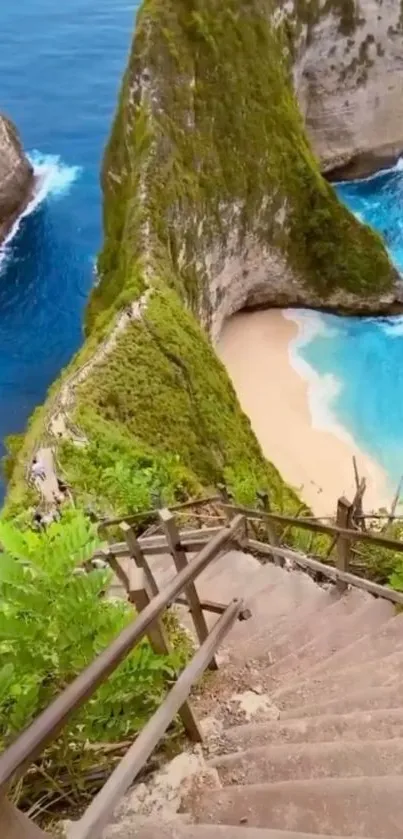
x=231, y=194
x=349, y=79
x=16, y=176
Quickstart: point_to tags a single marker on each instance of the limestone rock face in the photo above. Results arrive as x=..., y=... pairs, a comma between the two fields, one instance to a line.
x=349, y=81
x=233, y=205
x=16, y=176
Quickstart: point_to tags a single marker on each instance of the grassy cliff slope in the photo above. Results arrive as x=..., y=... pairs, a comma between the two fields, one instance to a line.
x=207, y=161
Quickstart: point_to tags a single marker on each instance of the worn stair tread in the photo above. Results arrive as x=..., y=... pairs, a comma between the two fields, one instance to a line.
x=268, y=609
x=344, y=806
x=388, y=672
x=227, y=573
x=358, y=700
x=283, y=625
x=342, y=631
x=296, y=628
x=379, y=724
x=299, y=761
x=200, y=831
x=373, y=645
x=263, y=646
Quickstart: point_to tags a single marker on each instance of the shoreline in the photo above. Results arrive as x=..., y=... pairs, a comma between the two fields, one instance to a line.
x=256, y=349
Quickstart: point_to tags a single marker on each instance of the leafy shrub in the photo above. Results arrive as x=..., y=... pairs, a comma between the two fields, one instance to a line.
x=52, y=625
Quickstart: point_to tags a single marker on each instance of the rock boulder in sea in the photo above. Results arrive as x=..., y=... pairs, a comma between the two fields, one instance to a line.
x=16, y=176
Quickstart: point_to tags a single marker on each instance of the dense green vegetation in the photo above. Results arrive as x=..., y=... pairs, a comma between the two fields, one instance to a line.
x=53, y=622
x=162, y=417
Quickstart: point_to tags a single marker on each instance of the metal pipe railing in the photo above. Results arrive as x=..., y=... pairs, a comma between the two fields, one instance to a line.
x=46, y=727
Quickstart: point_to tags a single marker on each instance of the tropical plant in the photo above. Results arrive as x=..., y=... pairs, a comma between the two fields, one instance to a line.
x=53, y=622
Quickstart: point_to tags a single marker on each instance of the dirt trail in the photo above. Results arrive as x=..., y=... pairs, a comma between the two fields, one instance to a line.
x=58, y=422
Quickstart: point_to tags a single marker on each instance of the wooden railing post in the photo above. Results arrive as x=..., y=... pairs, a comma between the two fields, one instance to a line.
x=180, y=559
x=343, y=520
x=116, y=567
x=16, y=825
x=226, y=498
x=137, y=555
x=264, y=502
x=139, y=596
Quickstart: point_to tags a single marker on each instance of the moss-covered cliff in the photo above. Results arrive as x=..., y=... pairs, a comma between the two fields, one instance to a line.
x=210, y=171
x=213, y=201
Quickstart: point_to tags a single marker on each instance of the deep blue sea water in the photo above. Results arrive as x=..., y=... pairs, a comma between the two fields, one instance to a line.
x=360, y=361
x=60, y=70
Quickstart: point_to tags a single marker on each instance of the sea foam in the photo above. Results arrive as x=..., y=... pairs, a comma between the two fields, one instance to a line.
x=53, y=181
x=322, y=389
x=398, y=167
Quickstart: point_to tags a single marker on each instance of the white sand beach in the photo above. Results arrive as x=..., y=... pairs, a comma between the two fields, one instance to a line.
x=254, y=346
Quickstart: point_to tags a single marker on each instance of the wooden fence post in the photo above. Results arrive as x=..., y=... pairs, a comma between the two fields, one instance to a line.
x=227, y=498
x=138, y=556
x=180, y=559
x=264, y=502
x=16, y=825
x=116, y=567
x=343, y=519
x=139, y=596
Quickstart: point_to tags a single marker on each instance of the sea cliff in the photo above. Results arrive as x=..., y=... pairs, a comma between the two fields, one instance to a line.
x=213, y=201
x=16, y=176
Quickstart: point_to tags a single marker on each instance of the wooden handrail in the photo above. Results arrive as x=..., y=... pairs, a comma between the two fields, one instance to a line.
x=317, y=527
x=48, y=724
x=332, y=573
x=146, y=514
x=97, y=815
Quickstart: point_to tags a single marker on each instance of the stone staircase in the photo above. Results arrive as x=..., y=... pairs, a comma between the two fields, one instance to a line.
x=303, y=720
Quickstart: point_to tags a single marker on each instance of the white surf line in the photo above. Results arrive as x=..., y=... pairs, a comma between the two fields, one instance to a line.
x=53, y=178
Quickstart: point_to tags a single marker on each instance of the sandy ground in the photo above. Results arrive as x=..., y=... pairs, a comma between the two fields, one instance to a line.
x=255, y=349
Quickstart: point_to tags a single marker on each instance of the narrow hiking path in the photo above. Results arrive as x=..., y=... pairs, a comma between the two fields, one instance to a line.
x=48, y=486
x=58, y=423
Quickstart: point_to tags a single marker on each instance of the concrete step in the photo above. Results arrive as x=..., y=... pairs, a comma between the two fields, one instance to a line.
x=369, y=699
x=221, y=581
x=382, y=724
x=256, y=592
x=301, y=633
x=341, y=806
x=268, y=609
x=388, y=673
x=304, y=624
x=301, y=761
x=287, y=631
x=200, y=831
x=225, y=576
x=267, y=619
x=386, y=639
x=342, y=631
